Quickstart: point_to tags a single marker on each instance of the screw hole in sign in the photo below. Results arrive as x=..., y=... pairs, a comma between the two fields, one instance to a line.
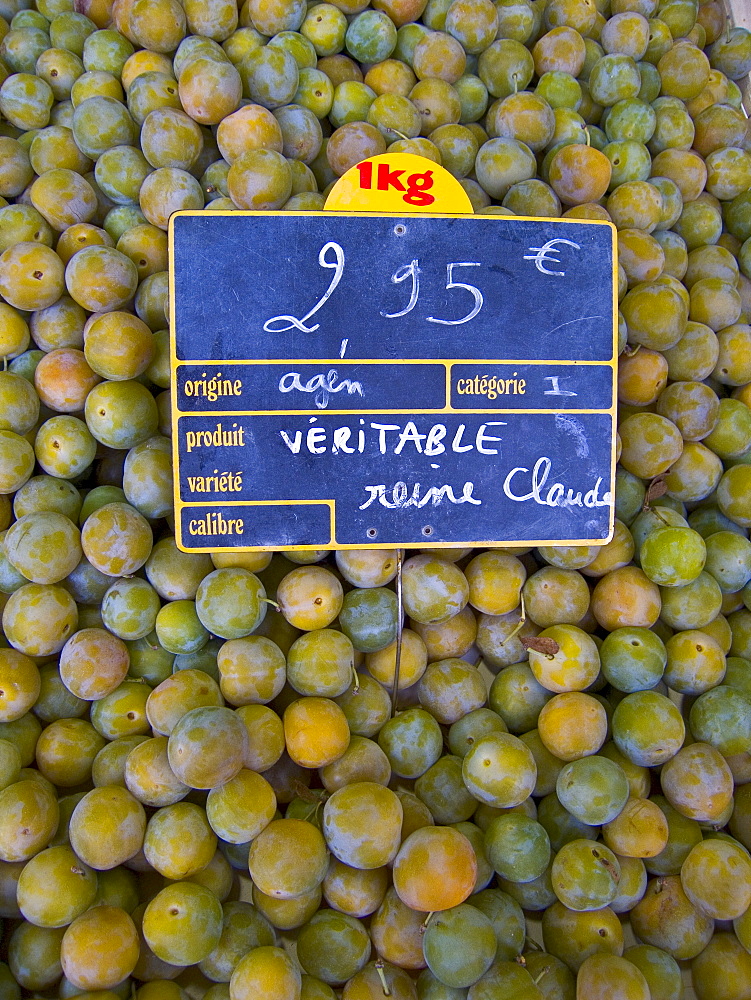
x=371, y=532
x=399, y=184
x=427, y=530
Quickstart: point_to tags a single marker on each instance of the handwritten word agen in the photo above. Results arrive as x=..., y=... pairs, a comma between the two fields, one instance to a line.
x=323, y=385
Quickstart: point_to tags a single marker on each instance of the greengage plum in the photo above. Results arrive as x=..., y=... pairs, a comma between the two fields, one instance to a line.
x=182, y=924
x=362, y=824
x=107, y=827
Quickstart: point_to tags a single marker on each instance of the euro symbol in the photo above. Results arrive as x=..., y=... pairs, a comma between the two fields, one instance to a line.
x=540, y=256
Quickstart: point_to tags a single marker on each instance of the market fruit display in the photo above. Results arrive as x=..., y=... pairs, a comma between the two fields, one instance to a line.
x=208, y=785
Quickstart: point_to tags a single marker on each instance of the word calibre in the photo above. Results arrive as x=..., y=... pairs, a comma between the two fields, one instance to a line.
x=558, y=495
x=216, y=524
x=318, y=440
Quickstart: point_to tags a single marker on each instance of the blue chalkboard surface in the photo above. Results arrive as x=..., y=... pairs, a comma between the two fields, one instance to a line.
x=354, y=380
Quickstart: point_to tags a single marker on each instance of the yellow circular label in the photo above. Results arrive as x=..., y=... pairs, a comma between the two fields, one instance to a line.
x=396, y=184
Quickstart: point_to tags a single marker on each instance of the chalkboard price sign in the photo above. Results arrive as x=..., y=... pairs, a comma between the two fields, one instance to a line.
x=345, y=380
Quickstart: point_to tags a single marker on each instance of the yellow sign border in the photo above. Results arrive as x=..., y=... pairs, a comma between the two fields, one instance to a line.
x=180, y=505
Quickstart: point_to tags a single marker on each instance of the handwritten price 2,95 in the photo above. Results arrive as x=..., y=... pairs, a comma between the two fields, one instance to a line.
x=408, y=272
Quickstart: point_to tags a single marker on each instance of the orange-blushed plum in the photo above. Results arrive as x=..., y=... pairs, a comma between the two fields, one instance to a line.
x=182, y=924
x=436, y=868
x=355, y=891
x=266, y=971
x=288, y=858
x=666, y=918
x=116, y=539
x=362, y=824
x=93, y=662
x=640, y=830
x=573, y=725
x=310, y=597
x=451, y=638
x=625, y=597
x=107, y=827
x=250, y=127
x=99, y=948
x=63, y=379
x=642, y=377
x=579, y=174
x=207, y=746
x=495, y=581
x=562, y=48
x=315, y=731
x=397, y=932
x=698, y=783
